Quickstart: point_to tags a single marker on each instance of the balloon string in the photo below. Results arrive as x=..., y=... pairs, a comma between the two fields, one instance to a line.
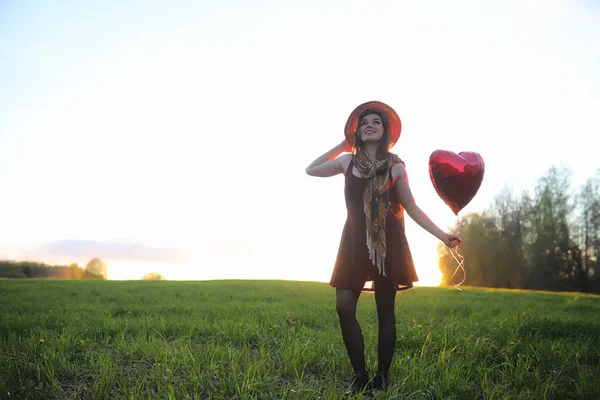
x=461, y=263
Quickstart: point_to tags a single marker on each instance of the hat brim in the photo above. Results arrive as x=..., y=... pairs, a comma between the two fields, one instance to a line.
x=394, y=123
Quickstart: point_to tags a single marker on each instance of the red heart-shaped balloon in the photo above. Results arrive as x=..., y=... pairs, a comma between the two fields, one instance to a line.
x=456, y=177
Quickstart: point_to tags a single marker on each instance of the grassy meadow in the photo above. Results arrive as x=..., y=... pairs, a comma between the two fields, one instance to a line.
x=281, y=340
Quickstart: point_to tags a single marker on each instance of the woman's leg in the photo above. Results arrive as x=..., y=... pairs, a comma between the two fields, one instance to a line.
x=346, y=301
x=385, y=299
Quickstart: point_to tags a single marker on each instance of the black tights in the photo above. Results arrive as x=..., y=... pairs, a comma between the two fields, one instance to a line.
x=346, y=301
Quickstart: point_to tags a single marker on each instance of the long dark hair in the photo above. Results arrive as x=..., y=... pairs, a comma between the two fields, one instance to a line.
x=384, y=142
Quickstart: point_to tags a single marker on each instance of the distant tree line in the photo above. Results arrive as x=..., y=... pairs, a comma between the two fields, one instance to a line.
x=153, y=276
x=95, y=269
x=546, y=241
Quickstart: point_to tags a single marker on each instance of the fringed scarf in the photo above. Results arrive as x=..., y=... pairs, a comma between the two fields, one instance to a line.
x=376, y=202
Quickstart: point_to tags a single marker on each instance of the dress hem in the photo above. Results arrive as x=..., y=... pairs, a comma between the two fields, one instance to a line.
x=399, y=287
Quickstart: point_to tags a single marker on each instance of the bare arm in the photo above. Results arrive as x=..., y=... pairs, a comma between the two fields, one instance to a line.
x=328, y=164
x=407, y=200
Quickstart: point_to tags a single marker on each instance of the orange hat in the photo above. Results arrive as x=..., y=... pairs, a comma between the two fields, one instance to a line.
x=393, y=120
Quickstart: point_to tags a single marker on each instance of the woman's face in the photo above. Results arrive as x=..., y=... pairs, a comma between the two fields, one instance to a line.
x=371, y=128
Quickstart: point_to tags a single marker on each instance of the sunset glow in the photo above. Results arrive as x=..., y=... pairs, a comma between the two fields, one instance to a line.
x=174, y=138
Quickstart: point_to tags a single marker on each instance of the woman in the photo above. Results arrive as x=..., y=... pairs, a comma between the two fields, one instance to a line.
x=373, y=247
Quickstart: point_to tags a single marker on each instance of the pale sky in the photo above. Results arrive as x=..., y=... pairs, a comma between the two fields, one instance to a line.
x=173, y=136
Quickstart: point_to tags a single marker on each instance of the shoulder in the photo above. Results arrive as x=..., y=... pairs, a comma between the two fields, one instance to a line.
x=398, y=168
x=345, y=160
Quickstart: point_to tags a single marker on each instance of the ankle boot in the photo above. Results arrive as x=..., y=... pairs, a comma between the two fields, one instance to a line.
x=380, y=382
x=360, y=383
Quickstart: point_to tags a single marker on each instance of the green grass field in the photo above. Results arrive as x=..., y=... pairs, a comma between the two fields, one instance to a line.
x=281, y=340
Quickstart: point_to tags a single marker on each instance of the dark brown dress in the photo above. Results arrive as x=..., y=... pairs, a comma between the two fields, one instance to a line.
x=353, y=269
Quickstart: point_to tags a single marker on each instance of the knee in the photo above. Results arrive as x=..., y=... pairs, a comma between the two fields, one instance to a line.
x=385, y=313
x=345, y=310
x=386, y=317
